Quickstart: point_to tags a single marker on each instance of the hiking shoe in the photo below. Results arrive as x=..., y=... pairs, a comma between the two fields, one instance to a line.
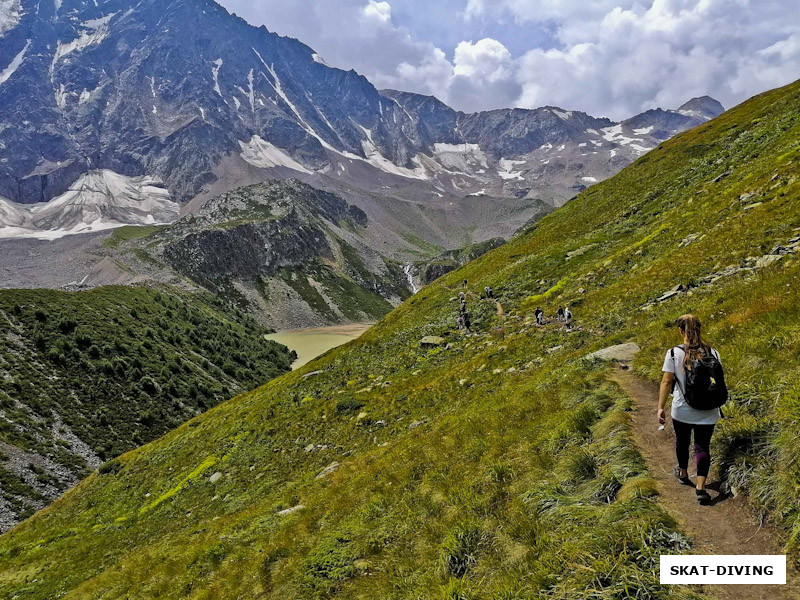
x=684, y=479
x=703, y=497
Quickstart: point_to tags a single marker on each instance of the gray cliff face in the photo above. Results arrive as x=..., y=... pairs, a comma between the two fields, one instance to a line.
x=247, y=251
x=446, y=262
x=278, y=248
x=187, y=93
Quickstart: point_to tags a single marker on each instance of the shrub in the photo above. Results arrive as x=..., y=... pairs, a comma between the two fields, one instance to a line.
x=111, y=467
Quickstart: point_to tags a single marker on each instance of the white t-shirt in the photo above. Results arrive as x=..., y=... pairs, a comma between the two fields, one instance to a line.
x=681, y=411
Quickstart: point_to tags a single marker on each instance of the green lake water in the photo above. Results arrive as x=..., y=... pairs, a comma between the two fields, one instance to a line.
x=311, y=343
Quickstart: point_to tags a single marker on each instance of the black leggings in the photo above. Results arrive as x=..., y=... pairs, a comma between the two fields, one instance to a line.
x=702, y=445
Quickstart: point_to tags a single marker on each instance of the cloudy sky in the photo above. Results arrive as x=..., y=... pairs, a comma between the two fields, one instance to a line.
x=606, y=57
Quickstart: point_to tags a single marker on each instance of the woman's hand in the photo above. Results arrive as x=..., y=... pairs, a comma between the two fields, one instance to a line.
x=662, y=416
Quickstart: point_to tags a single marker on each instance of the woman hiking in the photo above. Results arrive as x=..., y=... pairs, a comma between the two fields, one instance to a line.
x=680, y=361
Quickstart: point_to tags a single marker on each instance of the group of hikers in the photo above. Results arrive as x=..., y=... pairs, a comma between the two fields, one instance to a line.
x=563, y=314
x=463, y=320
x=694, y=377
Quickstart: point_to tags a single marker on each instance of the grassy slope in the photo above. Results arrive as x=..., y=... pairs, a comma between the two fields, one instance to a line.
x=493, y=469
x=120, y=367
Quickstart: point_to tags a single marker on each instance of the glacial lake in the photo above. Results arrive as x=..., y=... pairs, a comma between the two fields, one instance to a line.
x=311, y=343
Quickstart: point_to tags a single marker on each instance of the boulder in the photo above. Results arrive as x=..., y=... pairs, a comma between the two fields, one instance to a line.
x=666, y=296
x=215, y=477
x=289, y=511
x=580, y=251
x=432, y=341
x=620, y=353
x=327, y=470
x=689, y=239
x=767, y=260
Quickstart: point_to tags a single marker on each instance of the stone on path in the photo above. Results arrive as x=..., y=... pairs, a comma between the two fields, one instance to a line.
x=620, y=353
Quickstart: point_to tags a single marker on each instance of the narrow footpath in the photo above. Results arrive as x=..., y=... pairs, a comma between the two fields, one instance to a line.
x=727, y=526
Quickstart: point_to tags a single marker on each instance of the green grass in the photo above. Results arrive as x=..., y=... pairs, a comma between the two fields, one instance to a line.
x=502, y=466
x=129, y=233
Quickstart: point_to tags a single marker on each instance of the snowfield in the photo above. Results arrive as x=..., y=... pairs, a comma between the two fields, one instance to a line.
x=97, y=201
x=10, y=15
x=260, y=153
x=15, y=64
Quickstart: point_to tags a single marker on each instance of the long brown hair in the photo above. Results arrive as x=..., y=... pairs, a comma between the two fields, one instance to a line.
x=694, y=346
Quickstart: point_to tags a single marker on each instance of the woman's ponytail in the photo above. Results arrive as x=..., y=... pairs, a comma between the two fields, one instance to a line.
x=690, y=327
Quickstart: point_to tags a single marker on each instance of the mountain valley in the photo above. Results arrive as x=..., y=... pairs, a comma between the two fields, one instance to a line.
x=340, y=479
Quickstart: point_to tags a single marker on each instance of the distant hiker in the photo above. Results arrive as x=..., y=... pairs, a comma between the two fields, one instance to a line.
x=693, y=373
x=568, y=317
x=560, y=314
x=489, y=292
x=464, y=284
x=539, y=314
x=464, y=322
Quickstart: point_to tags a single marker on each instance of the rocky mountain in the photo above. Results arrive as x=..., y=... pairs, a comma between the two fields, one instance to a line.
x=296, y=256
x=188, y=95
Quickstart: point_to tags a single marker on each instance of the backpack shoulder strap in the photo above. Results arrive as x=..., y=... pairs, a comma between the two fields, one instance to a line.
x=675, y=381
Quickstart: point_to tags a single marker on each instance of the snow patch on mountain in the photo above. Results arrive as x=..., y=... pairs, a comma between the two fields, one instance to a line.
x=562, y=114
x=318, y=59
x=251, y=92
x=12, y=214
x=376, y=159
x=506, y=166
x=86, y=39
x=260, y=153
x=615, y=134
x=215, y=74
x=95, y=24
x=97, y=201
x=15, y=64
x=10, y=15
x=462, y=158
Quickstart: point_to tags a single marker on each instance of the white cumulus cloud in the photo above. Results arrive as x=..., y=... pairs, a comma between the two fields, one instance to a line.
x=381, y=11
x=606, y=57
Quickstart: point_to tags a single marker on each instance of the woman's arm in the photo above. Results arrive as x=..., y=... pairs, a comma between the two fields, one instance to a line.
x=663, y=394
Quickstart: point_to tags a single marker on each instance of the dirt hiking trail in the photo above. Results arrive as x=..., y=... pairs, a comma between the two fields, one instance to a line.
x=727, y=526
